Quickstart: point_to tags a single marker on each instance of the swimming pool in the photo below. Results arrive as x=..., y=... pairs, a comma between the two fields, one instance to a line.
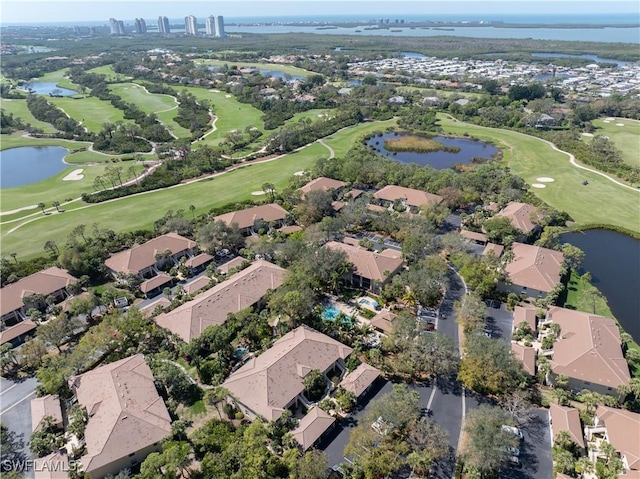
x=330, y=313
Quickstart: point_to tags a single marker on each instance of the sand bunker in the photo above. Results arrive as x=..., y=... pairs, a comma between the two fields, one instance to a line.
x=227, y=96
x=257, y=193
x=619, y=124
x=588, y=134
x=545, y=179
x=610, y=119
x=75, y=175
x=539, y=185
x=299, y=173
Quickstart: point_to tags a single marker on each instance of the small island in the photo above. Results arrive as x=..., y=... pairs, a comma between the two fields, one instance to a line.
x=417, y=144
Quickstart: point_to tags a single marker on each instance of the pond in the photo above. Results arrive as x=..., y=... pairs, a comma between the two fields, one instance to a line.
x=46, y=88
x=440, y=160
x=30, y=164
x=613, y=259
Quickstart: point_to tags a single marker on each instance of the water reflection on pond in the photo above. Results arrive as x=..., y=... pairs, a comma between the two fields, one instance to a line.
x=30, y=164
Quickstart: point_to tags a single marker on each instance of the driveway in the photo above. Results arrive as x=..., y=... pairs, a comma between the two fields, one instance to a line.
x=535, y=449
x=502, y=324
x=15, y=411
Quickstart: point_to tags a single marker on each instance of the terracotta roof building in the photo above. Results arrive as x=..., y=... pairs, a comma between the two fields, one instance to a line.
x=479, y=238
x=272, y=382
x=534, y=271
x=45, y=406
x=14, y=299
x=370, y=270
x=246, y=219
x=360, y=379
x=492, y=248
x=526, y=355
x=588, y=351
x=210, y=307
x=566, y=419
x=525, y=314
x=412, y=199
x=322, y=183
x=53, y=466
x=383, y=321
x=522, y=216
x=312, y=427
x=141, y=259
x=621, y=429
x=127, y=417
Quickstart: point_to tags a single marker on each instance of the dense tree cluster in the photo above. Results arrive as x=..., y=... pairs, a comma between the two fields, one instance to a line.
x=42, y=110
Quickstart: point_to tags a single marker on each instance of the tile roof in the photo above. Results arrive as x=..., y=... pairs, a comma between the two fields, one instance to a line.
x=210, y=307
x=534, y=267
x=526, y=355
x=246, y=218
x=358, y=380
x=526, y=314
x=566, y=419
x=126, y=414
x=45, y=406
x=412, y=197
x=53, y=466
x=472, y=235
x=383, y=321
x=311, y=427
x=44, y=282
x=588, y=348
x=496, y=249
x=623, y=431
x=322, y=183
x=268, y=383
x=522, y=216
x=148, y=309
x=12, y=332
x=198, y=260
x=143, y=256
x=155, y=282
x=367, y=263
x=196, y=284
x=234, y=263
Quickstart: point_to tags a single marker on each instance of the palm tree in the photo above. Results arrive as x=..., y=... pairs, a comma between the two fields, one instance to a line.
x=56, y=205
x=14, y=256
x=192, y=208
x=52, y=247
x=269, y=188
x=41, y=206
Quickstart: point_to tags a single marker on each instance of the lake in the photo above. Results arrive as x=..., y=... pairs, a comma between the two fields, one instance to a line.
x=440, y=160
x=594, y=58
x=46, y=88
x=30, y=164
x=613, y=259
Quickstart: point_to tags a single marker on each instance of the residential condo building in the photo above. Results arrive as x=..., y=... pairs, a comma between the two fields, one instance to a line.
x=163, y=25
x=140, y=26
x=210, y=25
x=191, y=25
x=116, y=26
x=220, y=26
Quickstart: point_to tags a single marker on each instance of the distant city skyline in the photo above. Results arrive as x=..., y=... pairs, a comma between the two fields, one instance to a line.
x=45, y=11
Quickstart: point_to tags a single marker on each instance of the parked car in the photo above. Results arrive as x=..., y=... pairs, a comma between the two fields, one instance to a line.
x=512, y=430
x=513, y=451
x=430, y=326
x=490, y=319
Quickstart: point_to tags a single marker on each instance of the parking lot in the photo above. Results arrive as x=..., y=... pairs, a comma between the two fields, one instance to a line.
x=499, y=321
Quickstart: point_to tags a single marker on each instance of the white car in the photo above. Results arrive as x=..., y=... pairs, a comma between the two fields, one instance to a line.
x=512, y=430
x=513, y=451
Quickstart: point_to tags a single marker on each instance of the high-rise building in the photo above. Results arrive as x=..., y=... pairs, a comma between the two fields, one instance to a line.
x=140, y=25
x=163, y=25
x=191, y=25
x=210, y=25
x=220, y=26
x=113, y=26
x=120, y=27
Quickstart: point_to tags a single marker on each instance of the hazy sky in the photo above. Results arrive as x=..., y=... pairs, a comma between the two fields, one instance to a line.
x=27, y=11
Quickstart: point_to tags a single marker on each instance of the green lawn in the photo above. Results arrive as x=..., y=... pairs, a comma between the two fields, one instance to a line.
x=15, y=140
x=141, y=211
x=20, y=110
x=55, y=189
x=601, y=201
x=165, y=107
x=278, y=67
x=626, y=138
x=232, y=115
x=91, y=111
x=107, y=71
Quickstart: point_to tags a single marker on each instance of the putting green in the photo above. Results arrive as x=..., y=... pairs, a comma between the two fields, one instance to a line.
x=601, y=201
x=625, y=135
